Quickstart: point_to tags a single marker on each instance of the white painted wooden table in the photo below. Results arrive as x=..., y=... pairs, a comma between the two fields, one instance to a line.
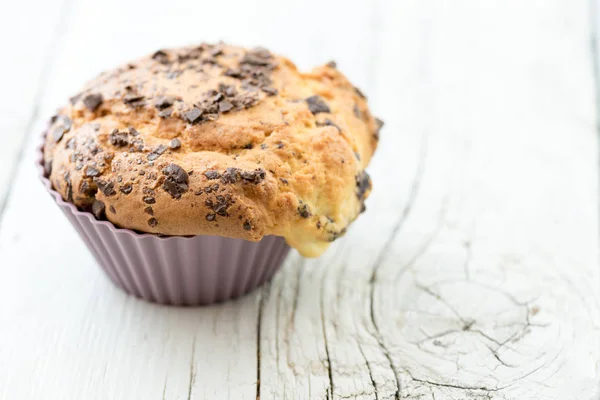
x=474, y=273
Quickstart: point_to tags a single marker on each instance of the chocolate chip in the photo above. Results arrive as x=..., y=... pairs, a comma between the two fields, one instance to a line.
x=318, y=224
x=92, y=101
x=359, y=92
x=161, y=56
x=133, y=132
x=106, y=187
x=112, y=210
x=71, y=143
x=212, y=174
x=149, y=200
x=211, y=217
x=231, y=175
x=176, y=182
x=134, y=100
x=126, y=189
x=62, y=125
x=163, y=102
x=152, y=222
x=157, y=152
x=357, y=155
x=303, y=210
x=363, y=184
x=357, y=111
x=284, y=181
x=98, y=209
x=317, y=105
x=247, y=225
x=332, y=64
x=149, y=211
x=270, y=90
x=380, y=125
x=118, y=139
x=254, y=177
x=225, y=106
x=227, y=90
x=92, y=172
x=166, y=113
x=175, y=144
x=329, y=122
x=73, y=100
x=193, y=116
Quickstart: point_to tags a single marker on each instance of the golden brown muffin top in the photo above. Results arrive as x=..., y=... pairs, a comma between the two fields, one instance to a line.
x=217, y=140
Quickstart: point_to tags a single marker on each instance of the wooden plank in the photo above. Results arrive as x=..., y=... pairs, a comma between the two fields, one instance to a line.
x=475, y=272
x=27, y=64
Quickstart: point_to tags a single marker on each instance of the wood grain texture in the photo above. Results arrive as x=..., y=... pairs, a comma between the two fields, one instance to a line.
x=473, y=275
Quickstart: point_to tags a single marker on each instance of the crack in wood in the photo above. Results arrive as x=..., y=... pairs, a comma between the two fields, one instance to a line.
x=414, y=190
x=370, y=371
x=324, y=329
x=261, y=304
x=192, y=370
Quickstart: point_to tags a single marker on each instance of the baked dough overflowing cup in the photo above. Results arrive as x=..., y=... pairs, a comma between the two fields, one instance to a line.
x=190, y=172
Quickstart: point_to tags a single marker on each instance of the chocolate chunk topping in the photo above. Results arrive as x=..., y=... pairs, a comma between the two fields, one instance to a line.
x=161, y=56
x=329, y=122
x=149, y=210
x=227, y=90
x=62, y=125
x=247, y=225
x=133, y=100
x=176, y=182
x=166, y=113
x=92, y=101
x=175, y=144
x=133, y=132
x=363, y=184
x=152, y=222
x=98, y=209
x=126, y=189
x=157, y=152
x=231, y=175
x=118, y=139
x=359, y=92
x=225, y=106
x=149, y=200
x=163, y=102
x=112, y=210
x=211, y=217
x=106, y=187
x=211, y=175
x=254, y=177
x=270, y=90
x=92, y=172
x=357, y=111
x=380, y=125
x=303, y=210
x=193, y=116
x=317, y=105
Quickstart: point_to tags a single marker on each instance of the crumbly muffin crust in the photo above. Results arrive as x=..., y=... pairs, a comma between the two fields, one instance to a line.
x=217, y=140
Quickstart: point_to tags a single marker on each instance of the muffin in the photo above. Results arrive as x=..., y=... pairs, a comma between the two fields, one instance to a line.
x=186, y=172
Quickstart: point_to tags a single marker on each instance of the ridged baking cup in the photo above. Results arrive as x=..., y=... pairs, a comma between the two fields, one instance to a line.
x=174, y=270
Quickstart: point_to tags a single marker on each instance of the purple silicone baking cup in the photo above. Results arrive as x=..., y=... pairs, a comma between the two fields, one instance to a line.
x=175, y=270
